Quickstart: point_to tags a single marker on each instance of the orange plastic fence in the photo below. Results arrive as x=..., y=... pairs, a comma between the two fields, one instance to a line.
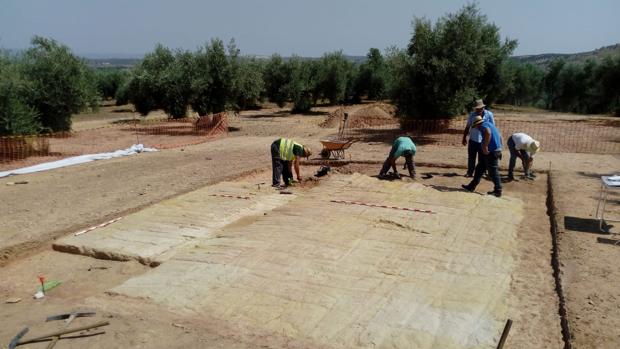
x=19, y=151
x=596, y=136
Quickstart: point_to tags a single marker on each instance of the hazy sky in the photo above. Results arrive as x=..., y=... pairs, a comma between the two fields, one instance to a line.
x=307, y=28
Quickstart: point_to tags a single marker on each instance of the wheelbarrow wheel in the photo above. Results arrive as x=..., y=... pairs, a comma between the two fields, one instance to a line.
x=325, y=153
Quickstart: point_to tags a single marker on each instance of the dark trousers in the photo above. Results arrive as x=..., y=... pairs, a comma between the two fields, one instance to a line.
x=489, y=163
x=474, y=149
x=513, y=157
x=279, y=167
x=409, y=163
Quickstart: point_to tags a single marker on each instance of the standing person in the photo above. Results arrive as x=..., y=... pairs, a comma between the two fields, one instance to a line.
x=403, y=146
x=474, y=147
x=524, y=147
x=285, y=155
x=491, y=154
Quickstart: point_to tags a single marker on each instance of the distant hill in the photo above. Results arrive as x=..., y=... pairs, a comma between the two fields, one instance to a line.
x=542, y=60
x=545, y=59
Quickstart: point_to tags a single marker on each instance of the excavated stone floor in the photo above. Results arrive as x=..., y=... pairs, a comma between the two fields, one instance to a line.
x=329, y=273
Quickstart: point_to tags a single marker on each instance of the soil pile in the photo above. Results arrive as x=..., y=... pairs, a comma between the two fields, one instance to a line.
x=375, y=114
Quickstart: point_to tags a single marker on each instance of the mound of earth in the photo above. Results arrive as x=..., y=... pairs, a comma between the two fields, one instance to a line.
x=376, y=114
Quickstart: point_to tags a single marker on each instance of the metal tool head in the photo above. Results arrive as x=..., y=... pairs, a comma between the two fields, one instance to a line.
x=68, y=315
x=17, y=338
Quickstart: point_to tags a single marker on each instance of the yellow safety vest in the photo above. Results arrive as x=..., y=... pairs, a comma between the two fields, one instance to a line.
x=286, y=149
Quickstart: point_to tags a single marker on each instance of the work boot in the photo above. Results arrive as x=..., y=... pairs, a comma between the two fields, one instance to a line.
x=510, y=178
x=495, y=192
x=467, y=187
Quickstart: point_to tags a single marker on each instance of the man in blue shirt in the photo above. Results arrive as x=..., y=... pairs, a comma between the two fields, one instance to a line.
x=403, y=146
x=475, y=137
x=491, y=154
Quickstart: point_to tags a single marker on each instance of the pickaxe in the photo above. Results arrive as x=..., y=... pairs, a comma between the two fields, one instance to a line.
x=68, y=317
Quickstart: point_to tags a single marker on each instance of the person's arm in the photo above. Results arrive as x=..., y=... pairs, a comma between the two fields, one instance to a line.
x=528, y=166
x=486, y=141
x=296, y=165
x=465, y=133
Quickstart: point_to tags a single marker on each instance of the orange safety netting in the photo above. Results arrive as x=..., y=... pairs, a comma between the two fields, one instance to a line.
x=20, y=151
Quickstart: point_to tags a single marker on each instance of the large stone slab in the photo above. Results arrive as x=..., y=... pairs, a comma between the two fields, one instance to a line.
x=151, y=234
x=342, y=275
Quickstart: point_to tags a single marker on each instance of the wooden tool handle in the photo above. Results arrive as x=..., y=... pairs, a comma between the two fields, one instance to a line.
x=65, y=331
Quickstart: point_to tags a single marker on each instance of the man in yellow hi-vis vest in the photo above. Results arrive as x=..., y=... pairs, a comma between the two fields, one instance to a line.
x=285, y=154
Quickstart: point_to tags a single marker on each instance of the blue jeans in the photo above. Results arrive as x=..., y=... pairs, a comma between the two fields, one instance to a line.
x=473, y=149
x=525, y=157
x=489, y=163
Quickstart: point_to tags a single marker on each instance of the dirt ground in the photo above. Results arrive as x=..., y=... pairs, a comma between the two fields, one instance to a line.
x=55, y=203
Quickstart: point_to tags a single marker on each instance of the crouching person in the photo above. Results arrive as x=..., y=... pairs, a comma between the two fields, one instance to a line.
x=403, y=146
x=285, y=154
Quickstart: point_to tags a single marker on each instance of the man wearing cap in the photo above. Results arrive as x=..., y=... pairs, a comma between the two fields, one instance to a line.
x=524, y=147
x=285, y=155
x=491, y=154
x=403, y=146
x=475, y=137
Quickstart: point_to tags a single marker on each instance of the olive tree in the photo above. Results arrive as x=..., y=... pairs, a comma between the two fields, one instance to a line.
x=59, y=83
x=451, y=63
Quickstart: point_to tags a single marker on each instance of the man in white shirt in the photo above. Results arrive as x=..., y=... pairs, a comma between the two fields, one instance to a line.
x=524, y=147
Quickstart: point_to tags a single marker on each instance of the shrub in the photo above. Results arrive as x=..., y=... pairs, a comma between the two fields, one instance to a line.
x=334, y=73
x=147, y=90
x=59, y=83
x=109, y=81
x=16, y=116
x=303, y=84
x=276, y=77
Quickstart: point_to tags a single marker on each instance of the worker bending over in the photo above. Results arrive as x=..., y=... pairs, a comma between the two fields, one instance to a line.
x=524, y=147
x=285, y=155
x=403, y=146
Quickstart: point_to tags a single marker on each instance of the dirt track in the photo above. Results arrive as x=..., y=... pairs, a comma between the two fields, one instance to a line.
x=55, y=203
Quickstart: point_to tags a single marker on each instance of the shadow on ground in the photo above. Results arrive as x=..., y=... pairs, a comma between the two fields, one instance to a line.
x=585, y=225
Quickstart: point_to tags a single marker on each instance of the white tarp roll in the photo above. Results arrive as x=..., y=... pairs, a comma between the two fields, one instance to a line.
x=81, y=159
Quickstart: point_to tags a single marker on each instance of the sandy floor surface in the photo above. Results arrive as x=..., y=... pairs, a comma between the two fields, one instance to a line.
x=54, y=204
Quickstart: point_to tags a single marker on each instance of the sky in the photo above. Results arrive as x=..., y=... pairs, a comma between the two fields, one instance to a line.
x=125, y=28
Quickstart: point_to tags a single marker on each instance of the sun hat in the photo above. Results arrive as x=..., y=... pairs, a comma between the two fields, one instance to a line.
x=533, y=147
x=477, y=121
x=479, y=104
x=307, y=151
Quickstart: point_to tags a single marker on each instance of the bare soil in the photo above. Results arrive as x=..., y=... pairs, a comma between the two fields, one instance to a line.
x=55, y=203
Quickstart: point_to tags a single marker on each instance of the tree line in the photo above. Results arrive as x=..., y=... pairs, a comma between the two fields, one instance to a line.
x=445, y=67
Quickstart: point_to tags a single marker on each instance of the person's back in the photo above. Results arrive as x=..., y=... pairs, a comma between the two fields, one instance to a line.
x=495, y=142
x=402, y=145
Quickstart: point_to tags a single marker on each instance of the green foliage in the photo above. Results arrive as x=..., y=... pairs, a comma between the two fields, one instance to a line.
x=584, y=88
x=276, y=76
x=147, y=90
x=372, y=79
x=59, y=83
x=16, y=116
x=451, y=64
x=109, y=81
x=212, y=83
x=520, y=84
x=248, y=86
x=302, y=87
x=334, y=73
x=122, y=94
